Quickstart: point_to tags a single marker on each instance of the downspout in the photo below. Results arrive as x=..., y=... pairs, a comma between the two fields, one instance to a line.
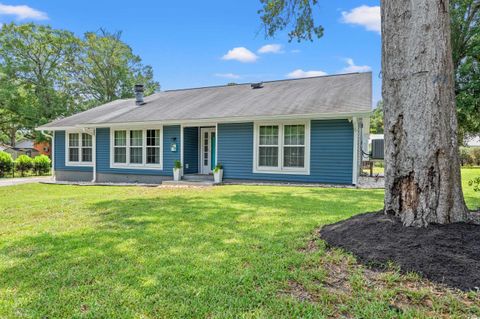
x=52, y=152
x=94, y=155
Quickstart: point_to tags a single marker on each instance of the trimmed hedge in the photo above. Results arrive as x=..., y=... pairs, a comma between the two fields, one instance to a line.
x=6, y=163
x=23, y=164
x=41, y=164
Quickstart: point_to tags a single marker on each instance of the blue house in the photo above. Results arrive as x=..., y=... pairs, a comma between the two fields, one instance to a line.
x=309, y=130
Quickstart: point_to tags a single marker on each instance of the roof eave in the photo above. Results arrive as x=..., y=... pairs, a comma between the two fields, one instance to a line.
x=318, y=116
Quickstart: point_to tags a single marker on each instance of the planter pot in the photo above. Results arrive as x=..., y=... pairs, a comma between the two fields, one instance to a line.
x=218, y=176
x=177, y=174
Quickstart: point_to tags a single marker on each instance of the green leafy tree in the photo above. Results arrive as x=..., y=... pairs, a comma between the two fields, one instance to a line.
x=17, y=103
x=465, y=18
x=109, y=69
x=43, y=62
x=295, y=15
x=376, y=120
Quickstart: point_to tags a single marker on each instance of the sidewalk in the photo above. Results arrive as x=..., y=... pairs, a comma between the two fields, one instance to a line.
x=23, y=180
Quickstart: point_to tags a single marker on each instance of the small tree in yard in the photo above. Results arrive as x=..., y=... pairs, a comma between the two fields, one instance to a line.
x=6, y=163
x=23, y=164
x=41, y=164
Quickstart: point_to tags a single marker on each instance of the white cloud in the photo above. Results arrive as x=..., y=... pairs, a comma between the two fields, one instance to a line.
x=368, y=17
x=227, y=75
x=299, y=73
x=352, y=68
x=270, y=48
x=240, y=54
x=22, y=12
x=295, y=51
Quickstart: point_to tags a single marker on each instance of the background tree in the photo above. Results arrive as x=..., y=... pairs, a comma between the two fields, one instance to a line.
x=109, y=69
x=16, y=103
x=422, y=162
x=376, y=120
x=465, y=17
x=44, y=60
x=47, y=73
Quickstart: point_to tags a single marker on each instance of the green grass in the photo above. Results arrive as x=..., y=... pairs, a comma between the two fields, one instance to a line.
x=222, y=252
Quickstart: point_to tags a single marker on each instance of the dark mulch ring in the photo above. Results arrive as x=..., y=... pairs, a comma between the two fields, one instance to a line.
x=446, y=254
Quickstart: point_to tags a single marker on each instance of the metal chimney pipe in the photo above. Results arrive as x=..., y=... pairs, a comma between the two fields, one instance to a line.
x=139, y=94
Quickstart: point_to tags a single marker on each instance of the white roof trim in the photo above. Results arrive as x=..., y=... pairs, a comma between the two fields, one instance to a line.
x=319, y=116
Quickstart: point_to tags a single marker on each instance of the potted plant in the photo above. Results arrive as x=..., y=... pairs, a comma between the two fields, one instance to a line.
x=218, y=173
x=177, y=170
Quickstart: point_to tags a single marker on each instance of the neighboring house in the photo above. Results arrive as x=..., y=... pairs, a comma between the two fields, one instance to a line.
x=304, y=130
x=43, y=148
x=25, y=147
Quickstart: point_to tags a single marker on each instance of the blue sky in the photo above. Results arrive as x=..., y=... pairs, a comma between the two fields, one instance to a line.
x=202, y=43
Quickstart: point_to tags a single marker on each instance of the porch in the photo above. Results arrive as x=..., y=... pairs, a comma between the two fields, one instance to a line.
x=198, y=152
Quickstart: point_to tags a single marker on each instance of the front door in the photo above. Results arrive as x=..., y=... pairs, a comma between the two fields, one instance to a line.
x=207, y=149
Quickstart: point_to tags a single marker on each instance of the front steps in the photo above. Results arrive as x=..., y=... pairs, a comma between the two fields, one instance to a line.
x=193, y=180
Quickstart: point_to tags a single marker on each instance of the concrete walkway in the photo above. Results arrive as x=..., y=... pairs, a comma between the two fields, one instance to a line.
x=23, y=180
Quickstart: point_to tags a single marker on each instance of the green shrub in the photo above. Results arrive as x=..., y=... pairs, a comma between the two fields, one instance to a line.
x=6, y=163
x=475, y=183
x=41, y=164
x=177, y=164
x=218, y=167
x=23, y=164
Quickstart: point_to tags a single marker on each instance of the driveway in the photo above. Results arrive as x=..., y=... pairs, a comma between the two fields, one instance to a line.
x=23, y=180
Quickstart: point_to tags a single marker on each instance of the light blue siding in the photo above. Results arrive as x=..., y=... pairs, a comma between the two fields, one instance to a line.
x=190, y=152
x=103, y=153
x=59, y=153
x=331, y=153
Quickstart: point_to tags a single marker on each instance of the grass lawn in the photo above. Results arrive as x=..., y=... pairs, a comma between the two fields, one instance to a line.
x=221, y=252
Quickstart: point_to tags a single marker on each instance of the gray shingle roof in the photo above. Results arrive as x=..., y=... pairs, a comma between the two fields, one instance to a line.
x=337, y=94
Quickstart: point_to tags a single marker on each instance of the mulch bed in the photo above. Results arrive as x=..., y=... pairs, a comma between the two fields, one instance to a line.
x=446, y=254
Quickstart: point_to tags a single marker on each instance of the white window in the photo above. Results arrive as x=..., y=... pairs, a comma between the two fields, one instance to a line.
x=139, y=148
x=79, y=149
x=282, y=148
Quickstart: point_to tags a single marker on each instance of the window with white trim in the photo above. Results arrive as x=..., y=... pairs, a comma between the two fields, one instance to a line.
x=79, y=148
x=282, y=148
x=137, y=147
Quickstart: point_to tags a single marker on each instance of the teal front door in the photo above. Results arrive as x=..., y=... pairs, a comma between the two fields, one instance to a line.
x=207, y=150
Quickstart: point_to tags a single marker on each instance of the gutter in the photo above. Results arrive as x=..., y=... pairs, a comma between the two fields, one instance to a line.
x=238, y=119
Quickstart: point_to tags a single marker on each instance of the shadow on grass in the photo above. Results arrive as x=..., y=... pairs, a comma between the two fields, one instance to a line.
x=183, y=255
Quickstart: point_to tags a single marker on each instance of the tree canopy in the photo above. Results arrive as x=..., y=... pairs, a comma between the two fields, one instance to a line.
x=46, y=73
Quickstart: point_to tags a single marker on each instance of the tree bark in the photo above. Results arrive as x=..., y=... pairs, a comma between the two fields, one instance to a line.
x=422, y=177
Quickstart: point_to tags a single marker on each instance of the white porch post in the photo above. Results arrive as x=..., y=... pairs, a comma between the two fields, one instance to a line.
x=216, y=144
x=355, y=151
x=52, y=152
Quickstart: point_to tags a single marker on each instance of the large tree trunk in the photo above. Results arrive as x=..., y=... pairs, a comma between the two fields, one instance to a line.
x=422, y=178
